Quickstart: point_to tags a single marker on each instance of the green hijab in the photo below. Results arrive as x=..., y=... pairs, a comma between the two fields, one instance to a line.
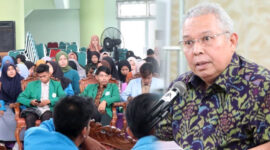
x=57, y=57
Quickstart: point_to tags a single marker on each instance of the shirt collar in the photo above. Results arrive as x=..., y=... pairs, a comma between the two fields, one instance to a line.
x=47, y=84
x=224, y=78
x=145, y=141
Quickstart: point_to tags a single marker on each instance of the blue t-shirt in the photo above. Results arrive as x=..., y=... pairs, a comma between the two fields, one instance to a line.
x=146, y=143
x=45, y=137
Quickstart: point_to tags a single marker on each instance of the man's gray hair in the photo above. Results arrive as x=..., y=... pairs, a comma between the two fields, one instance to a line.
x=212, y=8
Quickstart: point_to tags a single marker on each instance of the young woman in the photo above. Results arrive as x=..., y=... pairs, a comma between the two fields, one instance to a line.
x=93, y=64
x=123, y=69
x=62, y=60
x=9, y=91
x=112, y=67
x=56, y=72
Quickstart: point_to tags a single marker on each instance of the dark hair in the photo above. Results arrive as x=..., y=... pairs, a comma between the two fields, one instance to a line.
x=29, y=64
x=137, y=110
x=72, y=65
x=71, y=114
x=150, y=52
x=130, y=54
x=154, y=63
x=146, y=69
x=103, y=69
x=22, y=57
x=42, y=68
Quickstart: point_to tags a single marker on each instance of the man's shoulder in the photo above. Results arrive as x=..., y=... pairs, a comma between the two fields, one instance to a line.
x=33, y=83
x=184, y=77
x=252, y=72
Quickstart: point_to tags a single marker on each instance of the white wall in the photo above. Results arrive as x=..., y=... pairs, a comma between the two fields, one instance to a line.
x=54, y=25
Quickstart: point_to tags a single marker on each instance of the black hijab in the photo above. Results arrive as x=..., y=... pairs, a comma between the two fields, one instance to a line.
x=113, y=67
x=11, y=87
x=58, y=73
x=121, y=64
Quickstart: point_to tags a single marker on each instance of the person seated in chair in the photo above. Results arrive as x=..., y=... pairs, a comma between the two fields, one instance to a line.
x=68, y=129
x=40, y=96
x=139, y=127
x=146, y=84
x=103, y=93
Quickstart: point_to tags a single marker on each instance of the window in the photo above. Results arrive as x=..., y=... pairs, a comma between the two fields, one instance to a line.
x=137, y=25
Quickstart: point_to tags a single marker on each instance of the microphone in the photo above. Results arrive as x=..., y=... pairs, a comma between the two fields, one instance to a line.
x=161, y=107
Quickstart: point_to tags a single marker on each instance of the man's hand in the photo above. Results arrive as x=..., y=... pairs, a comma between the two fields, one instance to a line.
x=44, y=103
x=34, y=102
x=102, y=107
x=91, y=144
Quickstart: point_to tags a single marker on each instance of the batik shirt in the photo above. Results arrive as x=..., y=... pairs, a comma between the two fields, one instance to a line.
x=232, y=113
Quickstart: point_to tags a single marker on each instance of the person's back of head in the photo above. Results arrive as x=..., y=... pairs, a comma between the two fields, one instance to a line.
x=137, y=112
x=154, y=63
x=146, y=70
x=72, y=114
x=150, y=52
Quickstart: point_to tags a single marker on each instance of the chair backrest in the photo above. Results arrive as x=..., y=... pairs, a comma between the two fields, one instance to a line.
x=30, y=79
x=26, y=81
x=111, y=136
x=91, y=80
x=88, y=80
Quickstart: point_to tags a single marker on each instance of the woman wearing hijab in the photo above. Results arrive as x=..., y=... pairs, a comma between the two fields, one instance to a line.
x=92, y=65
x=123, y=69
x=23, y=70
x=93, y=47
x=9, y=91
x=56, y=72
x=113, y=67
x=6, y=60
x=94, y=44
x=62, y=61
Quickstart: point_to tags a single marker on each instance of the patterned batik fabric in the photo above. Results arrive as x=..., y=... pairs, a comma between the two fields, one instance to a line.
x=233, y=113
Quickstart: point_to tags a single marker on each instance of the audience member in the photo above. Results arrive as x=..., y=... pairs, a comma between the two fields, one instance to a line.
x=20, y=59
x=123, y=69
x=68, y=130
x=114, y=72
x=146, y=84
x=56, y=72
x=103, y=93
x=40, y=96
x=139, y=127
x=62, y=60
x=10, y=88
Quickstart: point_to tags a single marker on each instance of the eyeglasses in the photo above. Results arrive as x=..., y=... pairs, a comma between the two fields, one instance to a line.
x=206, y=40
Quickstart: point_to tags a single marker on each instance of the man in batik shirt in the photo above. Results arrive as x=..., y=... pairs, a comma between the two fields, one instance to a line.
x=228, y=98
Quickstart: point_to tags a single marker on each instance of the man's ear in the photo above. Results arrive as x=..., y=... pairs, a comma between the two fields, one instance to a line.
x=130, y=133
x=234, y=41
x=84, y=132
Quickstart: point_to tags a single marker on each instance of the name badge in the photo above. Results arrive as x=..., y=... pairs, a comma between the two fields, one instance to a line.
x=54, y=95
x=107, y=93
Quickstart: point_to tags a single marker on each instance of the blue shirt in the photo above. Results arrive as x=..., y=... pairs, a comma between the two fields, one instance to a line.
x=134, y=88
x=45, y=137
x=146, y=143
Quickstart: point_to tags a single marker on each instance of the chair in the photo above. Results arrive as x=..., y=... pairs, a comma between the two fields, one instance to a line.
x=53, y=52
x=111, y=137
x=52, y=45
x=92, y=80
x=20, y=122
x=82, y=58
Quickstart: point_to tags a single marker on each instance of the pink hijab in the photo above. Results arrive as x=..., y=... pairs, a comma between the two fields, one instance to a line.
x=92, y=46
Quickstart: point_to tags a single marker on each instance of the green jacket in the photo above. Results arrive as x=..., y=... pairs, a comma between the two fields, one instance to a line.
x=33, y=91
x=110, y=95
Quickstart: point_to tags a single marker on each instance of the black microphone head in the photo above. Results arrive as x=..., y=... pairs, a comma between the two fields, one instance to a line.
x=180, y=87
